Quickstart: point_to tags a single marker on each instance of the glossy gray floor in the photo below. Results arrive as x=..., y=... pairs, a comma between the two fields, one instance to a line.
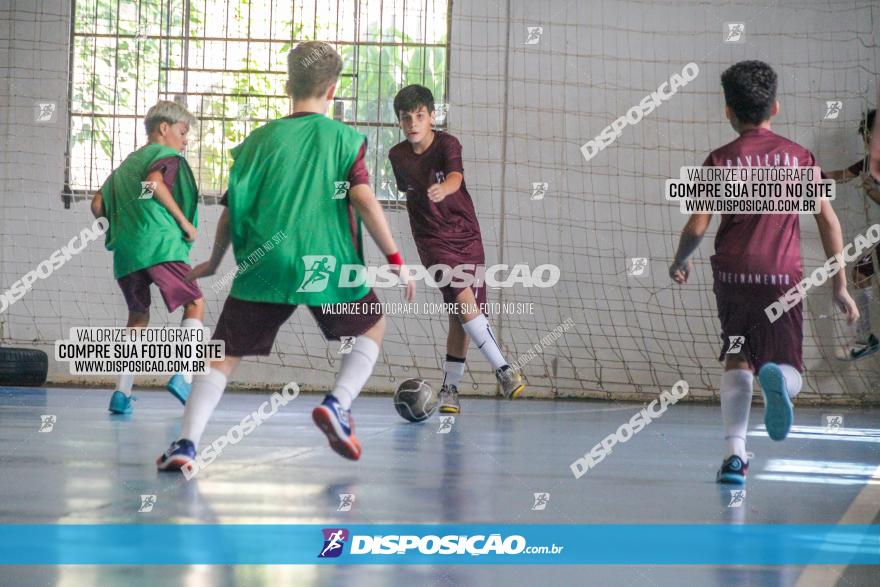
x=92, y=468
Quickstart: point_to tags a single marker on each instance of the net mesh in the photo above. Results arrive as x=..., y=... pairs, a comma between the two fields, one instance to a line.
x=527, y=84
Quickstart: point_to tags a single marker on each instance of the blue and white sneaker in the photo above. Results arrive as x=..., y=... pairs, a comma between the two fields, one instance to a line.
x=179, y=454
x=179, y=388
x=338, y=425
x=120, y=403
x=733, y=470
x=778, y=410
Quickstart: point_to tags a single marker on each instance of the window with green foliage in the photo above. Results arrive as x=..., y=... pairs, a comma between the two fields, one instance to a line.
x=226, y=61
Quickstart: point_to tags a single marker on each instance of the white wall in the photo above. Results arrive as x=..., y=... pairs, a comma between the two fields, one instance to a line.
x=593, y=62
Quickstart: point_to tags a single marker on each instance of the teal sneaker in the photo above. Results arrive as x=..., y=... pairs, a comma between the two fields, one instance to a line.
x=120, y=403
x=179, y=388
x=778, y=409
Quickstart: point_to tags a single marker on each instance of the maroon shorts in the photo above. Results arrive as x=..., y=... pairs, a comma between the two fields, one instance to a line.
x=741, y=311
x=451, y=292
x=168, y=277
x=250, y=328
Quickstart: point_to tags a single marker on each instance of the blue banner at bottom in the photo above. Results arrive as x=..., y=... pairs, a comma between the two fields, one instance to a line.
x=189, y=544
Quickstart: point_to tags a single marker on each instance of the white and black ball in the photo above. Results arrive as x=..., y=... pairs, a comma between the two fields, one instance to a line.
x=415, y=400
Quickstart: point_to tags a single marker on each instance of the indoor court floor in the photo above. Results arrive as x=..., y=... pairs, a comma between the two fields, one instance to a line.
x=92, y=468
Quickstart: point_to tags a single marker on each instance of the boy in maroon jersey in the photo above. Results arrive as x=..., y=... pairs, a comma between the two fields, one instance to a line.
x=757, y=258
x=867, y=170
x=428, y=167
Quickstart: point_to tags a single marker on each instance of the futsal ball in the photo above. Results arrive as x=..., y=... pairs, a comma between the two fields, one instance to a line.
x=415, y=401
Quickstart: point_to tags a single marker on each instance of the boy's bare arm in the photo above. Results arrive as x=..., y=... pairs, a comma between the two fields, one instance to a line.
x=221, y=244
x=98, y=205
x=832, y=242
x=370, y=210
x=691, y=237
x=164, y=197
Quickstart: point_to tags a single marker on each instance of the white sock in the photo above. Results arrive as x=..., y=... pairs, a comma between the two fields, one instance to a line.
x=126, y=380
x=452, y=372
x=736, y=401
x=357, y=366
x=480, y=332
x=793, y=380
x=864, y=298
x=190, y=323
x=206, y=393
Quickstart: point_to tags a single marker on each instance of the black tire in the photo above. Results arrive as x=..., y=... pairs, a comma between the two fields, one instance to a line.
x=24, y=367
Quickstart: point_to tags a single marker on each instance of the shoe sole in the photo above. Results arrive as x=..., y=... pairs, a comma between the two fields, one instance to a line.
x=778, y=412
x=515, y=393
x=349, y=448
x=175, y=463
x=449, y=409
x=173, y=391
x=119, y=412
x=731, y=479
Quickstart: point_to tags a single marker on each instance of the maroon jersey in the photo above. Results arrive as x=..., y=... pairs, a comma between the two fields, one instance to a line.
x=445, y=232
x=759, y=249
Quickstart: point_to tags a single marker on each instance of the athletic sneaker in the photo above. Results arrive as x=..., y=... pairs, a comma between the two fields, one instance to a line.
x=733, y=470
x=180, y=453
x=449, y=400
x=778, y=411
x=864, y=348
x=179, y=388
x=511, y=382
x=120, y=403
x=338, y=425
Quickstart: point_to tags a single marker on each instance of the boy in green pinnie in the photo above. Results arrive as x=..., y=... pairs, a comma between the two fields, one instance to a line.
x=150, y=202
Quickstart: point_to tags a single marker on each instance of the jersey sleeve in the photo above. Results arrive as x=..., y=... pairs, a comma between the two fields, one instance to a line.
x=168, y=167
x=358, y=174
x=452, y=156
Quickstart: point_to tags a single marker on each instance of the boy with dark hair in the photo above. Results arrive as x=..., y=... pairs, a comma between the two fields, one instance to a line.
x=868, y=170
x=428, y=167
x=284, y=182
x=151, y=202
x=766, y=248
